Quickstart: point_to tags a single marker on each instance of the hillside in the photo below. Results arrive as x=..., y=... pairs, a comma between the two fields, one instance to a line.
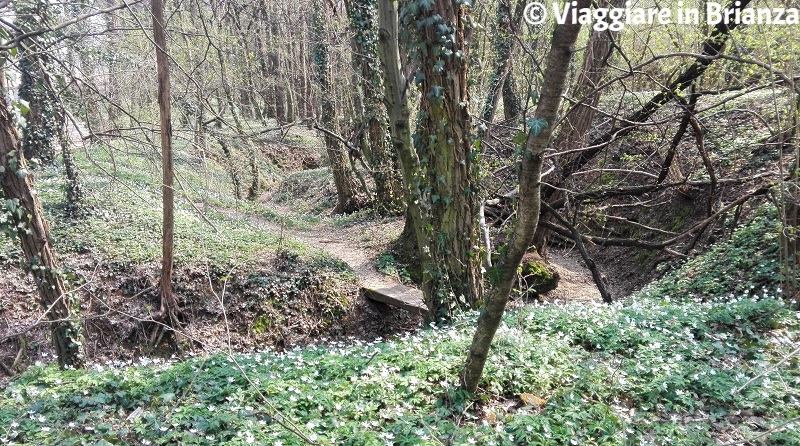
x=659, y=368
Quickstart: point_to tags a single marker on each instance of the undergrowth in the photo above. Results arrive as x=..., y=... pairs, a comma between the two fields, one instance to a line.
x=648, y=373
x=695, y=359
x=123, y=223
x=661, y=368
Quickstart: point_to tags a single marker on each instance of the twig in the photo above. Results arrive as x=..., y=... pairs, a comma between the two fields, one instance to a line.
x=763, y=434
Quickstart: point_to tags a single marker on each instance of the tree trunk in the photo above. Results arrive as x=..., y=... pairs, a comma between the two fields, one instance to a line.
x=558, y=62
x=578, y=121
x=41, y=126
x=74, y=187
x=448, y=157
x=169, y=306
x=501, y=82
x=395, y=87
x=346, y=186
x=280, y=85
x=26, y=221
x=388, y=189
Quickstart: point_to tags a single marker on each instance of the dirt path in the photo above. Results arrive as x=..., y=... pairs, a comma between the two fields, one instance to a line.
x=360, y=245
x=357, y=245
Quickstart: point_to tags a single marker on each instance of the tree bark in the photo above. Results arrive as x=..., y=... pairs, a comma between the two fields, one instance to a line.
x=41, y=123
x=26, y=221
x=346, y=186
x=388, y=189
x=169, y=310
x=529, y=208
x=502, y=80
x=396, y=87
x=448, y=157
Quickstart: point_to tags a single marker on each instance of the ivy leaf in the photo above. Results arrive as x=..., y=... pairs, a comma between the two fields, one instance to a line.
x=23, y=108
x=536, y=126
x=520, y=139
x=22, y=173
x=426, y=5
x=534, y=95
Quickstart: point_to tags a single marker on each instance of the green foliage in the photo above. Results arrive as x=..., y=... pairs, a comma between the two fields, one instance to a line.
x=536, y=126
x=746, y=264
x=606, y=375
x=388, y=265
x=654, y=370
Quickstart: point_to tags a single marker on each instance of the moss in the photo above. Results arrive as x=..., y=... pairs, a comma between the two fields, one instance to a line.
x=538, y=278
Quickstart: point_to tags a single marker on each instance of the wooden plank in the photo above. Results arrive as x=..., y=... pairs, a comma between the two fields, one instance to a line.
x=398, y=296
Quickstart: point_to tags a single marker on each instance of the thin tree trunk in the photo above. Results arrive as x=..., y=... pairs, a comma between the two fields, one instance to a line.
x=26, y=221
x=539, y=136
x=501, y=82
x=346, y=187
x=280, y=85
x=169, y=306
x=395, y=86
x=74, y=187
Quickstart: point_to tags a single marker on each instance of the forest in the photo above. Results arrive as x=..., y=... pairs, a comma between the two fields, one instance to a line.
x=399, y=222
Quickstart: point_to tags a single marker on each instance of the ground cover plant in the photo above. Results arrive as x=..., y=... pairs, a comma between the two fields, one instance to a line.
x=655, y=369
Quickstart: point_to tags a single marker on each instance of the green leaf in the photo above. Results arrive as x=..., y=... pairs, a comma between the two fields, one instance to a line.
x=23, y=109
x=520, y=139
x=536, y=126
x=22, y=173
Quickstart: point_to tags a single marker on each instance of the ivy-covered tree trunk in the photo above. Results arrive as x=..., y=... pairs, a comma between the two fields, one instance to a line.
x=41, y=120
x=396, y=88
x=444, y=142
x=346, y=186
x=541, y=129
x=22, y=216
x=388, y=190
x=74, y=190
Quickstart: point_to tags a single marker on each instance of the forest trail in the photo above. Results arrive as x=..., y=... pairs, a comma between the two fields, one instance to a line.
x=358, y=246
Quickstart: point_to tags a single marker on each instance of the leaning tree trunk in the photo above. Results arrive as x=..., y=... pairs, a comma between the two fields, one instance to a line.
x=169, y=312
x=541, y=130
x=346, y=186
x=26, y=221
